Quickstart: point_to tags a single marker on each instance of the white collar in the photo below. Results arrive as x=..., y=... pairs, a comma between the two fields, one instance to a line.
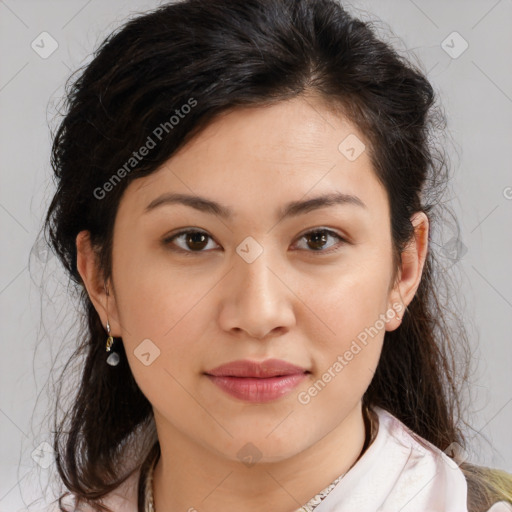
x=399, y=471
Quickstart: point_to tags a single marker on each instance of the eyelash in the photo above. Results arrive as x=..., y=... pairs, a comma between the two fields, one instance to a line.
x=168, y=241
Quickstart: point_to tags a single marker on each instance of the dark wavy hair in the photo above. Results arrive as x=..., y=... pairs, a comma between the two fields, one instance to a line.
x=217, y=55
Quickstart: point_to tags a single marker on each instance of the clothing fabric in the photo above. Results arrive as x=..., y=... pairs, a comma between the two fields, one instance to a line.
x=399, y=472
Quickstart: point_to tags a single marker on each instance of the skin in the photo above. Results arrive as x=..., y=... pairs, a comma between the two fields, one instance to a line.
x=291, y=303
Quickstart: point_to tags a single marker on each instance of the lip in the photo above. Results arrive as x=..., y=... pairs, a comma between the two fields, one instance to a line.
x=263, y=369
x=253, y=381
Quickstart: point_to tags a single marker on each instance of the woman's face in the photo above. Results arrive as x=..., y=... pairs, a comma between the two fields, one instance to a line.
x=256, y=286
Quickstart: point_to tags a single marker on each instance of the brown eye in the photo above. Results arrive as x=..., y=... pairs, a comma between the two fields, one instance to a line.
x=190, y=241
x=196, y=240
x=318, y=240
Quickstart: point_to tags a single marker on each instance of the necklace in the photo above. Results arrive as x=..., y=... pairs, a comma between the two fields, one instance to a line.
x=312, y=504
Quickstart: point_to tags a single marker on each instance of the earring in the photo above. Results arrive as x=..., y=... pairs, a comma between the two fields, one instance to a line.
x=113, y=358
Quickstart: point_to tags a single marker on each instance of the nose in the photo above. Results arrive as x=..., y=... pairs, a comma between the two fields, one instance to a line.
x=257, y=299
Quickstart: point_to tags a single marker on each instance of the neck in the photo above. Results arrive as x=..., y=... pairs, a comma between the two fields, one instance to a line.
x=190, y=477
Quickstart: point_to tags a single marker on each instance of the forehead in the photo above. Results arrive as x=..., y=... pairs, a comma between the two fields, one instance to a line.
x=267, y=154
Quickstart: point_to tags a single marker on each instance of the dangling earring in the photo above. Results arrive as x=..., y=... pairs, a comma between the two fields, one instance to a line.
x=113, y=358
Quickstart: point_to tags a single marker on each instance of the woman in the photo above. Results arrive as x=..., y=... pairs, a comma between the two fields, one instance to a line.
x=245, y=194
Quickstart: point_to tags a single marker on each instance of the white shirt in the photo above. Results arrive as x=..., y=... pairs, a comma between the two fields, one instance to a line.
x=399, y=472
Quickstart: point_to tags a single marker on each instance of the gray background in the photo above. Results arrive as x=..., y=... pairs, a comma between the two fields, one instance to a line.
x=37, y=317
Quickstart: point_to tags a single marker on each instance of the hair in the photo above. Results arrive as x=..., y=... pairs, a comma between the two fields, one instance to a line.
x=201, y=58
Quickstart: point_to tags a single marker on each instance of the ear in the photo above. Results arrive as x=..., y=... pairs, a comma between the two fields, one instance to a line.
x=409, y=276
x=89, y=269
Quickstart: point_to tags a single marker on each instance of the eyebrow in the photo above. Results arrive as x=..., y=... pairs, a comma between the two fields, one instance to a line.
x=291, y=209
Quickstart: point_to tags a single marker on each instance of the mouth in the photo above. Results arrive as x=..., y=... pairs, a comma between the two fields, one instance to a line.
x=257, y=382
x=264, y=369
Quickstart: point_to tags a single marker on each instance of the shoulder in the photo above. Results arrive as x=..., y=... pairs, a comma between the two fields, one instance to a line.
x=400, y=437
x=501, y=506
x=422, y=454
x=448, y=474
x=403, y=471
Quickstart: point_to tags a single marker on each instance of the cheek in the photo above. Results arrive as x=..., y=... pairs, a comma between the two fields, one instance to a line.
x=161, y=312
x=170, y=318
x=349, y=322
x=349, y=298
x=346, y=348
x=155, y=297
x=162, y=346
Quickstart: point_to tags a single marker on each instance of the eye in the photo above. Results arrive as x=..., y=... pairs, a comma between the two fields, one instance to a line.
x=317, y=240
x=192, y=241
x=196, y=241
